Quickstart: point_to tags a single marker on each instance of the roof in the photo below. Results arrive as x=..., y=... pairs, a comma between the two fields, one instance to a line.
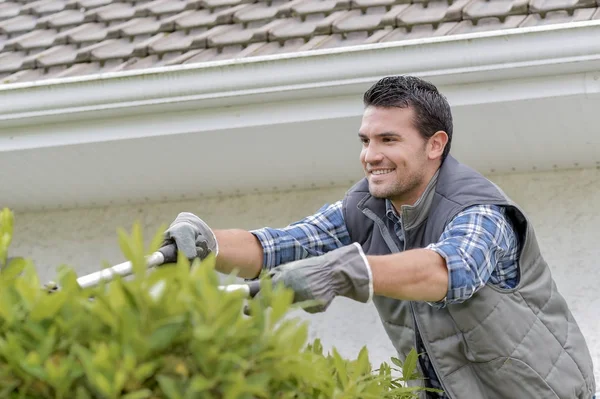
x=105, y=139
x=65, y=38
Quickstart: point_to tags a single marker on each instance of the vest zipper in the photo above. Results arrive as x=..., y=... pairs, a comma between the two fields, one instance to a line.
x=390, y=243
x=425, y=342
x=428, y=349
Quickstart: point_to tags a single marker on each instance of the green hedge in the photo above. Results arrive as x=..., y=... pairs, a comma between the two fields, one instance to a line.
x=188, y=339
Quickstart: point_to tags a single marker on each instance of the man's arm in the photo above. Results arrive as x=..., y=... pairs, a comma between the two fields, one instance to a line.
x=417, y=275
x=476, y=243
x=251, y=251
x=239, y=250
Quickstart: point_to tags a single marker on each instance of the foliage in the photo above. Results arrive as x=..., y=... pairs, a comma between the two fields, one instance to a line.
x=171, y=333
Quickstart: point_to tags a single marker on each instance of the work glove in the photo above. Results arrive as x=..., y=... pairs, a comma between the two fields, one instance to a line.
x=318, y=280
x=192, y=236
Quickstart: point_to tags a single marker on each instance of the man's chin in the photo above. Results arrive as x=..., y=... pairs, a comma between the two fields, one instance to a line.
x=381, y=194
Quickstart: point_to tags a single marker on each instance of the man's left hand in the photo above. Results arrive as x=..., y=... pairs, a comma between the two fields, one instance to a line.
x=341, y=272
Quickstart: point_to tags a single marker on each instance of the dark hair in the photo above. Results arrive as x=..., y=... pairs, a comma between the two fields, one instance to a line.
x=432, y=111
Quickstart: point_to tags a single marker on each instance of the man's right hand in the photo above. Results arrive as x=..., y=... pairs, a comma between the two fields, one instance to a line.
x=192, y=236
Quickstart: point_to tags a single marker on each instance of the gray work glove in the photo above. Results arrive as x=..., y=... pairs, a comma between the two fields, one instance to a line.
x=341, y=272
x=192, y=236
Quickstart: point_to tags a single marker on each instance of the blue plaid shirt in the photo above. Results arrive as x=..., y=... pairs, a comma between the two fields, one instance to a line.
x=479, y=246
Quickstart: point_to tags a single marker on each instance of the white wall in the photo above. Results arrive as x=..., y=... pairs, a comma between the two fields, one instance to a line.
x=563, y=205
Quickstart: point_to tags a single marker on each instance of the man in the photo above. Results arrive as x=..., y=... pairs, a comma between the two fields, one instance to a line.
x=451, y=264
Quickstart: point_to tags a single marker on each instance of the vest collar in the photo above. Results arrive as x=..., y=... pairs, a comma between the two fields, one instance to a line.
x=414, y=215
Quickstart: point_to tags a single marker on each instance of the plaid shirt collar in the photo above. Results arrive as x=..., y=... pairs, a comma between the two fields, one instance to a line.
x=390, y=212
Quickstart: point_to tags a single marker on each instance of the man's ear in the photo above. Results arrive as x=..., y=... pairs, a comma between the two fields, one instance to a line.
x=436, y=144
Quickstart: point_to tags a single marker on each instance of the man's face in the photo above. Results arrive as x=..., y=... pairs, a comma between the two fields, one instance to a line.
x=394, y=155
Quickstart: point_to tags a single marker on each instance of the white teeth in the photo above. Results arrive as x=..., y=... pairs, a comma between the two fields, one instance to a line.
x=382, y=171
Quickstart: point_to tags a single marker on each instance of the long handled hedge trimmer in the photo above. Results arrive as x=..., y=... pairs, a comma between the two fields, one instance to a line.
x=166, y=254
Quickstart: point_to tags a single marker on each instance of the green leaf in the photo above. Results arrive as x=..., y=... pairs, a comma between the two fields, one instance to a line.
x=199, y=384
x=164, y=335
x=397, y=362
x=169, y=387
x=14, y=268
x=157, y=239
x=340, y=368
x=101, y=383
x=145, y=370
x=125, y=245
x=410, y=364
x=47, y=306
x=363, y=363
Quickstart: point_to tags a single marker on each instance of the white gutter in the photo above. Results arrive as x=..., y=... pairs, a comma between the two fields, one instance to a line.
x=460, y=59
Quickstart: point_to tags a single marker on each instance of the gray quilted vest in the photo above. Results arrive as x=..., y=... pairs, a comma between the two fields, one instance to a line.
x=522, y=343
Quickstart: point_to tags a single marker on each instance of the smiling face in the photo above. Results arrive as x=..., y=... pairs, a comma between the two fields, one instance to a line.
x=398, y=162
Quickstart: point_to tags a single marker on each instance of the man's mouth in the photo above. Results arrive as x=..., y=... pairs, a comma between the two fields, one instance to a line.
x=381, y=171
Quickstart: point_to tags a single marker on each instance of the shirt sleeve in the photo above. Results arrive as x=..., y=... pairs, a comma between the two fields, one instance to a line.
x=314, y=235
x=479, y=244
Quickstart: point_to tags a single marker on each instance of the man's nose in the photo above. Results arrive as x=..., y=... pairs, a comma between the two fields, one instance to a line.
x=372, y=154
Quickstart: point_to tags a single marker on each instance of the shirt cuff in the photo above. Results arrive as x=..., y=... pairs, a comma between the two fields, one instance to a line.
x=267, y=241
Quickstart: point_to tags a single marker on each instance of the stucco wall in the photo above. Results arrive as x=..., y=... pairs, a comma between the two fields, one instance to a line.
x=563, y=205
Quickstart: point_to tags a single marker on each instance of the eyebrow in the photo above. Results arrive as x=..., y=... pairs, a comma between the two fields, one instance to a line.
x=380, y=135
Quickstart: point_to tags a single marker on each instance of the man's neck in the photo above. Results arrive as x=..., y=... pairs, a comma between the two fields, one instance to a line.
x=413, y=197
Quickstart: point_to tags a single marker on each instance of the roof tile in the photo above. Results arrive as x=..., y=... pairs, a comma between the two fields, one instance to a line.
x=62, y=19
x=543, y=6
x=135, y=27
x=106, y=50
x=278, y=48
x=214, y=54
x=142, y=48
x=356, y=20
x=486, y=24
x=40, y=38
x=478, y=9
x=57, y=55
x=239, y=35
x=9, y=10
x=89, y=4
x=433, y=12
x=205, y=18
x=24, y=75
x=295, y=28
x=77, y=70
x=19, y=24
x=139, y=63
x=89, y=32
x=45, y=7
x=320, y=7
x=11, y=61
x=159, y=7
x=353, y=38
x=210, y=4
x=364, y=4
x=172, y=42
x=261, y=12
x=419, y=31
x=180, y=41
x=561, y=16
x=111, y=12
